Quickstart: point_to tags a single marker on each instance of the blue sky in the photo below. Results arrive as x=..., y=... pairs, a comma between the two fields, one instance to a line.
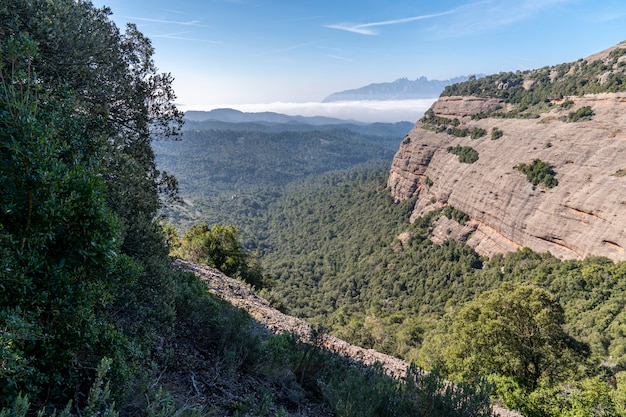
x=284, y=55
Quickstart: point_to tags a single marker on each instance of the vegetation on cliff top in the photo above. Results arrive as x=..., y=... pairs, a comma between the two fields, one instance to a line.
x=466, y=154
x=532, y=89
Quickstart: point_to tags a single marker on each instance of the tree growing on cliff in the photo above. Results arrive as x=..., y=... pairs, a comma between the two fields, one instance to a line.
x=538, y=172
x=466, y=154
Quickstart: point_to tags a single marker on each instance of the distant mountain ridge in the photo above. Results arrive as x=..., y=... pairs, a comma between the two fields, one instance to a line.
x=400, y=89
x=235, y=116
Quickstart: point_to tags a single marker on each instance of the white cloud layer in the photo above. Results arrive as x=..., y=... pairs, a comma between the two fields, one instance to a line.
x=363, y=111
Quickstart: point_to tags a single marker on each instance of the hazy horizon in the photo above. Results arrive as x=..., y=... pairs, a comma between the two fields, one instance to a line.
x=228, y=52
x=369, y=111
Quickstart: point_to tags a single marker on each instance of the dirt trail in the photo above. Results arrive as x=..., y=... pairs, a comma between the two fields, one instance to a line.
x=271, y=320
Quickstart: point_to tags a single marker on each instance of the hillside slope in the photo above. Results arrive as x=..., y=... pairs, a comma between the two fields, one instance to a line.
x=274, y=321
x=517, y=119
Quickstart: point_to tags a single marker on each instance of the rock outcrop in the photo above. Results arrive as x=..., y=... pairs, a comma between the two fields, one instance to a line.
x=584, y=215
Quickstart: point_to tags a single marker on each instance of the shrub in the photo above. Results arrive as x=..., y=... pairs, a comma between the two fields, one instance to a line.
x=582, y=114
x=478, y=132
x=458, y=132
x=466, y=154
x=372, y=392
x=456, y=214
x=538, y=172
x=496, y=133
x=219, y=246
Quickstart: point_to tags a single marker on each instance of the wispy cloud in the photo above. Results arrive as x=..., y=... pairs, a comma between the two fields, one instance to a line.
x=485, y=15
x=290, y=48
x=340, y=58
x=172, y=11
x=467, y=18
x=179, y=36
x=367, y=28
x=167, y=21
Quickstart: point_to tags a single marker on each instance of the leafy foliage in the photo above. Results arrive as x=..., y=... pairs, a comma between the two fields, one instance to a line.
x=372, y=393
x=513, y=331
x=455, y=214
x=219, y=246
x=582, y=114
x=392, y=293
x=531, y=92
x=82, y=258
x=369, y=391
x=538, y=172
x=231, y=176
x=496, y=133
x=573, y=79
x=466, y=154
x=57, y=237
x=439, y=124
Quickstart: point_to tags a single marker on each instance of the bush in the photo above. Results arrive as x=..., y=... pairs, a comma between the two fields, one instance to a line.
x=458, y=132
x=219, y=247
x=466, y=154
x=538, y=172
x=583, y=114
x=371, y=392
x=496, y=133
x=455, y=214
x=478, y=132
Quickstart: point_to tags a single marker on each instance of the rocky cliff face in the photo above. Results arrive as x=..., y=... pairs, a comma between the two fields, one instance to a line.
x=585, y=214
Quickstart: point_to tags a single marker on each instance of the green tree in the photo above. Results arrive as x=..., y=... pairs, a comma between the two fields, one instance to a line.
x=538, y=172
x=466, y=154
x=514, y=331
x=219, y=246
x=57, y=238
x=84, y=263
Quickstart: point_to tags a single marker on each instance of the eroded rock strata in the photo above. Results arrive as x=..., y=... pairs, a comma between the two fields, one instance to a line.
x=585, y=214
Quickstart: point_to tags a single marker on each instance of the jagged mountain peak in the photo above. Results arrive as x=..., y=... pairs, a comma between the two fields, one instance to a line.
x=400, y=89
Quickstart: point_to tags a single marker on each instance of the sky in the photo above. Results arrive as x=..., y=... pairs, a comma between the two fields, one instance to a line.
x=288, y=55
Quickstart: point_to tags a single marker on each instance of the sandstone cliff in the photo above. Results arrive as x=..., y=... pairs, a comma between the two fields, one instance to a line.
x=585, y=214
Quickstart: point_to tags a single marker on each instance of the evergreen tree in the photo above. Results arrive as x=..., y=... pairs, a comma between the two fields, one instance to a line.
x=84, y=266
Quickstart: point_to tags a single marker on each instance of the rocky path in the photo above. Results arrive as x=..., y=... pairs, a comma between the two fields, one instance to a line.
x=272, y=320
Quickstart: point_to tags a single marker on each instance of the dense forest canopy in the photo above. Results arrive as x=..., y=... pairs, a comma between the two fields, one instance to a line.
x=346, y=258
x=343, y=255
x=230, y=173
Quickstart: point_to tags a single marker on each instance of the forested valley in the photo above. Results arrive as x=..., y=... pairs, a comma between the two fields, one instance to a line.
x=335, y=248
x=95, y=319
x=331, y=246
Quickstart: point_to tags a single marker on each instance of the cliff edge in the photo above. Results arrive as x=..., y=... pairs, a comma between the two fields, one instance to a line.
x=469, y=150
